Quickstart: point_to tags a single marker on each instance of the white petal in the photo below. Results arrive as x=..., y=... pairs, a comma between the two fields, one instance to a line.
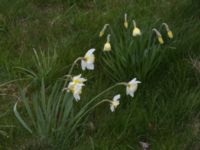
x=83, y=79
x=70, y=85
x=112, y=108
x=116, y=97
x=132, y=81
x=77, y=97
x=83, y=65
x=115, y=103
x=78, y=87
x=77, y=77
x=90, y=51
x=132, y=94
x=129, y=92
x=138, y=82
x=91, y=58
x=90, y=66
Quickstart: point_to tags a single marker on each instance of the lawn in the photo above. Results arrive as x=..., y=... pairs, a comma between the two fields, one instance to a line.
x=43, y=45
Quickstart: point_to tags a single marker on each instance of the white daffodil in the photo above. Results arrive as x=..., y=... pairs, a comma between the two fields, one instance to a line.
x=107, y=45
x=115, y=102
x=136, y=30
x=88, y=60
x=132, y=87
x=75, y=86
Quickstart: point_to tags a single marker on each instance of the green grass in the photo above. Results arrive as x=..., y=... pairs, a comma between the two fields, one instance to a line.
x=165, y=109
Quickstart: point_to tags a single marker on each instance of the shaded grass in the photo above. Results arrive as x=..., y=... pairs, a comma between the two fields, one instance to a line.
x=165, y=109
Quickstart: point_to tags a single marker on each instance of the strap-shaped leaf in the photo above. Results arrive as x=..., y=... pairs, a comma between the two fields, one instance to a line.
x=20, y=119
x=67, y=108
x=25, y=100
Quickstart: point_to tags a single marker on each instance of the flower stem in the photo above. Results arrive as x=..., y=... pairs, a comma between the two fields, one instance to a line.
x=69, y=75
x=108, y=38
x=157, y=32
x=79, y=117
x=100, y=94
x=134, y=24
x=166, y=26
x=73, y=65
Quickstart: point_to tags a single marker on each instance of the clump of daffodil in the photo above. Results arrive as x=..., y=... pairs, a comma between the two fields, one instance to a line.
x=169, y=32
x=107, y=45
x=136, y=30
x=125, y=21
x=115, y=102
x=75, y=86
x=131, y=87
x=101, y=33
x=87, y=61
x=160, y=39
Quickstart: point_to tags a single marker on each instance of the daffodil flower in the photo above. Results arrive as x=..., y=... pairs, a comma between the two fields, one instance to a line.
x=114, y=102
x=75, y=86
x=160, y=39
x=125, y=21
x=101, y=33
x=136, y=30
x=87, y=61
x=107, y=45
x=132, y=87
x=169, y=32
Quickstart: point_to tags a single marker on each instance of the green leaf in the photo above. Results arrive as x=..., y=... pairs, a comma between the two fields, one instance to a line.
x=20, y=119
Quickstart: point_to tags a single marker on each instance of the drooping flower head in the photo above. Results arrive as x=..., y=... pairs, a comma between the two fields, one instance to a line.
x=107, y=45
x=75, y=86
x=125, y=21
x=169, y=32
x=101, y=33
x=132, y=87
x=159, y=36
x=115, y=102
x=136, y=30
x=88, y=60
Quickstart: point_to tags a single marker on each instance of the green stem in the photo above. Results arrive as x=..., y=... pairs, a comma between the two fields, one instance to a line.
x=66, y=81
x=108, y=89
x=86, y=112
x=73, y=65
x=100, y=94
x=71, y=69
